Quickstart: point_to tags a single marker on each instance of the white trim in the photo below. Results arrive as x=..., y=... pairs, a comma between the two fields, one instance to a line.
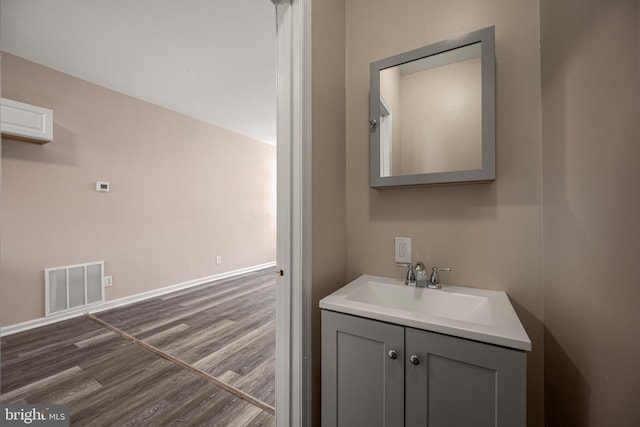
x=386, y=137
x=293, y=336
x=96, y=308
x=303, y=175
x=283, y=145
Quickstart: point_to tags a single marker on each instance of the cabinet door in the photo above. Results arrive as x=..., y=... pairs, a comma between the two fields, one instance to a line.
x=459, y=382
x=362, y=384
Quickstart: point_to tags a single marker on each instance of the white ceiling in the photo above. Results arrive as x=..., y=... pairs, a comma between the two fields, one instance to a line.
x=214, y=60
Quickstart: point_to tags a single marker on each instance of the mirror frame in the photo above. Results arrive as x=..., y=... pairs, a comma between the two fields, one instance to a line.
x=486, y=37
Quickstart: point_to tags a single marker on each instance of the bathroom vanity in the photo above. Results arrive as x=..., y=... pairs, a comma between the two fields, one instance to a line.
x=394, y=355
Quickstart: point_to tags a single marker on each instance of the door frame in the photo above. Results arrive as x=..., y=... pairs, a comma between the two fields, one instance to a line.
x=293, y=317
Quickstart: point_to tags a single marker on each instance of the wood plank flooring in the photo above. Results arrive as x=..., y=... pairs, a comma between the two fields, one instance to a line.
x=225, y=329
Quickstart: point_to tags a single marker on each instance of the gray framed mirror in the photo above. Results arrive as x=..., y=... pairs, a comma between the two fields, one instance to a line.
x=432, y=113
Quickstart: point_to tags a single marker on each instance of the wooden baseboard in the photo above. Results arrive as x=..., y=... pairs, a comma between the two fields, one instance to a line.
x=42, y=321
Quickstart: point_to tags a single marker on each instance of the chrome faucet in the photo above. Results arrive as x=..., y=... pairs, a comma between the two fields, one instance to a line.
x=434, y=280
x=410, y=280
x=416, y=275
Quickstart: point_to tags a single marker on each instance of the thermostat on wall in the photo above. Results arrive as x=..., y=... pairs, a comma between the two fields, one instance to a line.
x=102, y=186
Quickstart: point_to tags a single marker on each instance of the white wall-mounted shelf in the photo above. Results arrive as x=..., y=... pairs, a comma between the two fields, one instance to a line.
x=26, y=122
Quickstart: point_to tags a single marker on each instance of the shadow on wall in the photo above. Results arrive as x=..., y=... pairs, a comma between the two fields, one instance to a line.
x=565, y=387
x=535, y=329
x=64, y=152
x=454, y=202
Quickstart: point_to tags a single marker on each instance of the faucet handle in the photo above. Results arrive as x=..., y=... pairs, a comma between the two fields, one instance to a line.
x=411, y=274
x=434, y=280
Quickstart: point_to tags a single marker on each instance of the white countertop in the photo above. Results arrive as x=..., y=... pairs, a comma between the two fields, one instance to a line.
x=476, y=314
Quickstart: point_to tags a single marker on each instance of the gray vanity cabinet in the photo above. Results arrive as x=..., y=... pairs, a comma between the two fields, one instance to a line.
x=362, y=377
x=431, y=380
x=458, y=382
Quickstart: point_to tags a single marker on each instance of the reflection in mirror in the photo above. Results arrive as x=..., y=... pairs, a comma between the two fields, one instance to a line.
x=433, y=110
x=436, y=103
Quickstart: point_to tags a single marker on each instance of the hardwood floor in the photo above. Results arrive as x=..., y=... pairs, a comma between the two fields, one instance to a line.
x=149, y=364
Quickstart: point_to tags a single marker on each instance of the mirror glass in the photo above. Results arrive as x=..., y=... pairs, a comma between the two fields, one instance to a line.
x=432, y=114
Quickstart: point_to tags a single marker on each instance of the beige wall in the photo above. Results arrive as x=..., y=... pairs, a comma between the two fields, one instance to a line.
x=182, y=192
x=591, y=150
x=441, y=121
x=490, y=234
x=328, y=133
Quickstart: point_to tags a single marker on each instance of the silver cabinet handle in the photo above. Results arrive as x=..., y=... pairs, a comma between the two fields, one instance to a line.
x=414, y=359
x=392, y=354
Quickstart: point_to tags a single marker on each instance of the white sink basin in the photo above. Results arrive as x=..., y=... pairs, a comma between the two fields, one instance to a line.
x=446, y=303
x=477, y=314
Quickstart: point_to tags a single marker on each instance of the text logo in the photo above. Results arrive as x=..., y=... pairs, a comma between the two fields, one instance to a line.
x=34, y=415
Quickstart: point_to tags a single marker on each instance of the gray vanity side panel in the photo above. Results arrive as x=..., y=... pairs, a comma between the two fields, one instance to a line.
x=361, y=385
x=461, y=382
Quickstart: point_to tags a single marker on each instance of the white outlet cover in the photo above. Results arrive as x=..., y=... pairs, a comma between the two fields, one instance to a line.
x=403, y=249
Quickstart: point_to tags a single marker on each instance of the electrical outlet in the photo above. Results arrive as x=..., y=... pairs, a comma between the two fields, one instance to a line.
x=403, y=249
x=218, y=260
x=108, y=281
